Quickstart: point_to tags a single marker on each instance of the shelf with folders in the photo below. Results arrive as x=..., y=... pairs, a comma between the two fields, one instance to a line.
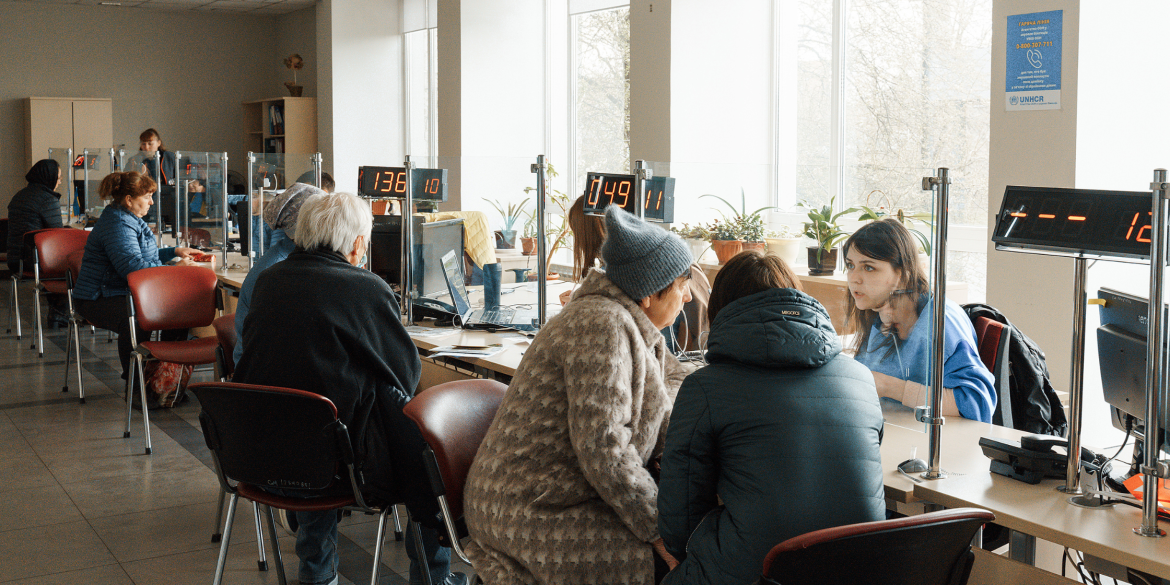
x=280, y=125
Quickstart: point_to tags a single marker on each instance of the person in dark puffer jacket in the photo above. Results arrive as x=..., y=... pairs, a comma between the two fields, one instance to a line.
x=780, y=425
x=36, y=207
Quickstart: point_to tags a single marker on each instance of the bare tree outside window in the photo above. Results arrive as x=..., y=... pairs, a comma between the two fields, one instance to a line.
x=602, y=100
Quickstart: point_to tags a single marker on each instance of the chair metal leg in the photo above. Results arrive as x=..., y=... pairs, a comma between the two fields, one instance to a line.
x=217, y=531
x=425, y=568
x=40, y=345
x=145, y=410
x=77, y=358
x=398, y=536
x=378, y=546
x=129, y=399
x=68, y=346
x=16, y=305
x=275, y=547
x=261, y=561
x=227, y=538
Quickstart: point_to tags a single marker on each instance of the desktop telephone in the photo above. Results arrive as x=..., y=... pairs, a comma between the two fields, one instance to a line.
x=1032, y=458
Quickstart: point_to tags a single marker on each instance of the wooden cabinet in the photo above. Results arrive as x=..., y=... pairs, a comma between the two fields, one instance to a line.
x=279, y=125
x=75, y=123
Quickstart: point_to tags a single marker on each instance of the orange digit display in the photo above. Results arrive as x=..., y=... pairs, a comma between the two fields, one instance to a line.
x=1083, y=223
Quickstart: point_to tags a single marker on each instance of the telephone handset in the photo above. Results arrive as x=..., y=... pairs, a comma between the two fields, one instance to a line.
x=1032, y=458
x=433, y=304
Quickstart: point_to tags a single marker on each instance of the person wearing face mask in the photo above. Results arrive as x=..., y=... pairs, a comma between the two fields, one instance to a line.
x=36, y=207
x=889, y=308
x=321, y=323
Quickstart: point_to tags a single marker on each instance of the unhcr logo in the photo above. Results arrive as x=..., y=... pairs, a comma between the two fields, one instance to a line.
x=1015, y=100
x=1032, y=99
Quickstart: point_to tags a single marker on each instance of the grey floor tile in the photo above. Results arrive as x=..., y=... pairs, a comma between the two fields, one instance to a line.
x=155, y=533
x=21, y=471
x=118, y=457
x=198, y=567
x=38, y=506
x=139, y=493
x=46, y=550
x=105, y=575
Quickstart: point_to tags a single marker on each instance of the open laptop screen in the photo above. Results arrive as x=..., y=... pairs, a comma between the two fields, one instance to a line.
x=453, y=272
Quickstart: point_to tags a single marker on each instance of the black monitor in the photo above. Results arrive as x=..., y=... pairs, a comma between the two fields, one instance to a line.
x=431, y=241
x=1121, y=349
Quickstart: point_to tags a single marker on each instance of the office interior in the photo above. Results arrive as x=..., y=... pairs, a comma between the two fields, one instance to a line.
x=501, y=97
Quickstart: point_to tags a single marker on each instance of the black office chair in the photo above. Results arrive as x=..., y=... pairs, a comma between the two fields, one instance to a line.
x=266, y=436
x=928, y=549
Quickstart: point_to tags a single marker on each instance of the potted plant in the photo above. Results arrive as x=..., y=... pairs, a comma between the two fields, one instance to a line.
x=556, y=226
x=784, y=243
x=697, y=238
x=823, y=228
x=907, y=220
x=510, y=213
x=296, y=63
x=528, y=237
x=738, y=232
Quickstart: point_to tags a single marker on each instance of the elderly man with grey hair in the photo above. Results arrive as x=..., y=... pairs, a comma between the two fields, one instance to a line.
x=320, y=323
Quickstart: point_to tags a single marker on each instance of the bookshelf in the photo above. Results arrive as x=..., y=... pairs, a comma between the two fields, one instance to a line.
x=286, y=124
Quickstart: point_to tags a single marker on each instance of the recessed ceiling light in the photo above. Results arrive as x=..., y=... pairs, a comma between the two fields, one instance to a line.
x=111, y=3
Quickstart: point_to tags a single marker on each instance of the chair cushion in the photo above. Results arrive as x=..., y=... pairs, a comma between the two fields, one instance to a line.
x=321, y=504
x=192, y=352
x=54, y=286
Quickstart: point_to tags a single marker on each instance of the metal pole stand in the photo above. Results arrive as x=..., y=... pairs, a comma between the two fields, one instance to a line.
x=642, y=175
x=317, y=161
x=941, y=181
x=541, y=261
x=1151, y=468
x=1072, y=478
x=407, y=277
x=180, y=197
x=248, y=215
x=223, y=168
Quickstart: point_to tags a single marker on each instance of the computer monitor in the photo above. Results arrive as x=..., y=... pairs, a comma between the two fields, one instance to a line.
x=1121, y=349
x=431, y=241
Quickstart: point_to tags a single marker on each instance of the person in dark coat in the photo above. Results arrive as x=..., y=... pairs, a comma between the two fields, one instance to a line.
x=780, y=425
x=36, y=207
x=320, y=323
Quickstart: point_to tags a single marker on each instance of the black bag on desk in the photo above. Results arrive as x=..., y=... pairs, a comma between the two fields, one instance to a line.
x=1037, y=406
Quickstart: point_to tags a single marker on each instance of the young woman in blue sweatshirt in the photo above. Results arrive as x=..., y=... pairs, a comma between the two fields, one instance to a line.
x=889, y=307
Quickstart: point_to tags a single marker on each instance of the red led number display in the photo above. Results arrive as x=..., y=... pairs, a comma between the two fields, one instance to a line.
x=390, y=182
x=1080, y=221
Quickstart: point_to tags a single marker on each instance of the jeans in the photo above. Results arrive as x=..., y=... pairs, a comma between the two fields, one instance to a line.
x=317, y=549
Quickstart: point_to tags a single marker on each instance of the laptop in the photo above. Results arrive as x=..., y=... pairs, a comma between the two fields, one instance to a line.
x=520, y=319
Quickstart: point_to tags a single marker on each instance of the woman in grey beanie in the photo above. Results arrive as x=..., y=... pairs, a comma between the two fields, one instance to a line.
x=563, y=466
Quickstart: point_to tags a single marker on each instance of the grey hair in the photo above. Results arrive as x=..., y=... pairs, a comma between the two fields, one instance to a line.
x=333, y=221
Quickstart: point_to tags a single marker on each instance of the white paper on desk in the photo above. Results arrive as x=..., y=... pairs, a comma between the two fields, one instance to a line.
x=456, y=351
x=425, y=332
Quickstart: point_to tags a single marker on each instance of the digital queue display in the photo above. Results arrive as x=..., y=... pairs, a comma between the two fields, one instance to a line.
x=1079, y=222
x=605, y=189
x=390, y=183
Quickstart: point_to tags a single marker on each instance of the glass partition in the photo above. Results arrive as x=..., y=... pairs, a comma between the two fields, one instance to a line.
x=268, y=174
x=200, y=194
x=95, y=163
x=64, y=159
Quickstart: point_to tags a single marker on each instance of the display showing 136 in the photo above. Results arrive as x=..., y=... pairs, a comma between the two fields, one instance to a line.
x=390, y=183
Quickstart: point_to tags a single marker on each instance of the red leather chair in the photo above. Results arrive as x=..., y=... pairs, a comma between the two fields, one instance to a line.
x=51, y=250
x=454, y=418
x=928, y=549
x=24, y=274
x=993, y=338
x=163, y=298
x=225, y=333
x=266, y=436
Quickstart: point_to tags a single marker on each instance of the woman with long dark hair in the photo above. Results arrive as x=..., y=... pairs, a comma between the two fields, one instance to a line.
x=889, y=308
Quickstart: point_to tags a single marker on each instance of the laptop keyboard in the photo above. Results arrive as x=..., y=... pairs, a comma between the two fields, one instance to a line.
x=498, y=316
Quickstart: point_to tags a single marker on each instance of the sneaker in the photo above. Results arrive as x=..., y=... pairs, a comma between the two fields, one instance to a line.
x=455, y=579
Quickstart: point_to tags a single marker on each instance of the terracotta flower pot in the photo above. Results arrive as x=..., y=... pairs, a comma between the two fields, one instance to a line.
x=726, y=249
x=758, y=246
x=528, y=246
x=825, y=265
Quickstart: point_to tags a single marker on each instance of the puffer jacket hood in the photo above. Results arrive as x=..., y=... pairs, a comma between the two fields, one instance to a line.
x=796, y=328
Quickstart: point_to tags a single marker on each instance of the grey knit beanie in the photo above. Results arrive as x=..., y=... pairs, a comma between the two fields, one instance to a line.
x=640, y=258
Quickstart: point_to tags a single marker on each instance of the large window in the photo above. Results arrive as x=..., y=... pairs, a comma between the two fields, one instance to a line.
x=600, y=78
x=421, y=77
x=889, y=90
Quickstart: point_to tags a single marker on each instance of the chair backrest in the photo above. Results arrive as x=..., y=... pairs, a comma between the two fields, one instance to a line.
x=53, y=248
x=225, y=332
x=198, y=238
x=28, y=248
x=73, y=266
x=928, y=549
x=173, y=297
x=272, y=437
x=453, y=419
x=993, y=338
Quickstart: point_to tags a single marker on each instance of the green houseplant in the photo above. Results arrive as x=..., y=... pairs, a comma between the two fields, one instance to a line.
x=556, y=226
x=528, y=235
x=510, y=213
x=907, y=220
x=697, y=237
x=823, y=227
x=785, y=243
x=739, y=231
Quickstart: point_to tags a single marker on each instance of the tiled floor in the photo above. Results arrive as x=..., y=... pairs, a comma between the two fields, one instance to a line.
x=84, y=505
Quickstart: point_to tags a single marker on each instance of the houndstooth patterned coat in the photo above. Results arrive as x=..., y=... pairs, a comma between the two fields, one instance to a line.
x=559, y=491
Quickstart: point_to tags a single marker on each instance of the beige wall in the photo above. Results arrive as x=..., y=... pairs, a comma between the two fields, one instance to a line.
x=1034, y=148
x=184, y=73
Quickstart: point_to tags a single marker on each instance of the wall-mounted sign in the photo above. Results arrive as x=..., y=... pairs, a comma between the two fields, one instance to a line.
x=1033, y=60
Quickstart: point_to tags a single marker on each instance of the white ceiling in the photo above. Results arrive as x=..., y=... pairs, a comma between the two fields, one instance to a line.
x=249, y=6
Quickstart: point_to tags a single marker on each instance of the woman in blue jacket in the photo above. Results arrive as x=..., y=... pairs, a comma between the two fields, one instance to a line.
x=780, y=426
x=890, y=308
x=121, y=243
